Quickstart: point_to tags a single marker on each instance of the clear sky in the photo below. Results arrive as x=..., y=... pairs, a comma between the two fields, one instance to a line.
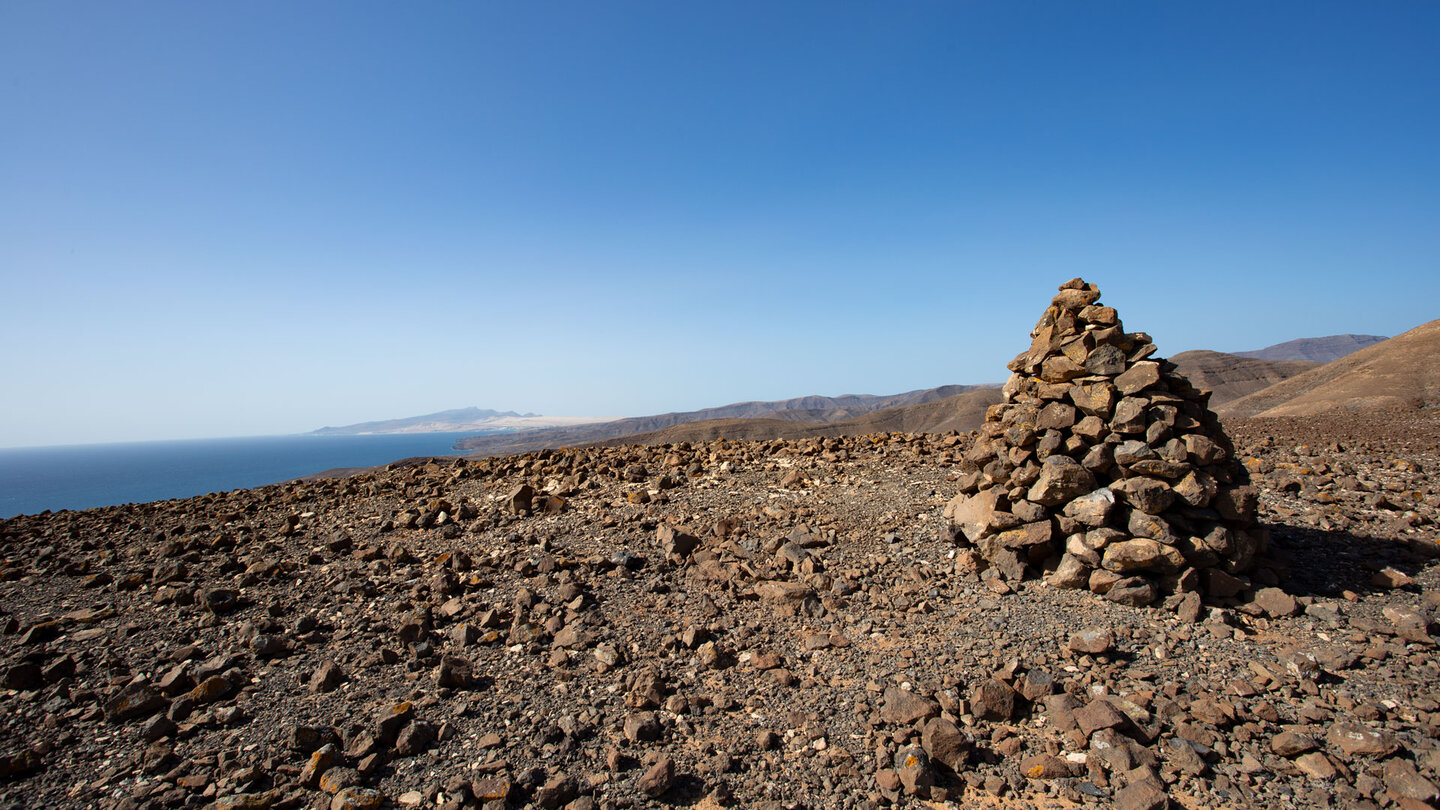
x=227, y=218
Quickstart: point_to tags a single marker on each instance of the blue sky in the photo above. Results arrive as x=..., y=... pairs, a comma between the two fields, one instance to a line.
x=228, y=219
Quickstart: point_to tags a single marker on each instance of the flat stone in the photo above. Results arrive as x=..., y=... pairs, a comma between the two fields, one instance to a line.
x=1402, y=780
x=1276, y=602
x=1132, y=591
x=903, y=708
x=1098, y=714
x=1150, y=495
x=135, y=700
x=1093, y=641
x=1292, y=743
x=1354, y=740
x=1140, y=376
x=1140, y=796
x=1142, y=554
x=1317, y=766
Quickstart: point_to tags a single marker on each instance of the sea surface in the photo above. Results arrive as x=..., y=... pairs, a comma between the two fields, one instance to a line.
x=33, y=479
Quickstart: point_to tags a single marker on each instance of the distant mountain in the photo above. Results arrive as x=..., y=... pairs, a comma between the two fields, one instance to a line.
x=459, y=421
x=1230, y=376
x=1401, y=372
x=811, y=409
x=1314, y=350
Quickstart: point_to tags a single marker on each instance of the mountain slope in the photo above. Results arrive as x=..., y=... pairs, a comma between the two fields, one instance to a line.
x=811, y=409
x=1314, y=350
x=1402, y=372
x=1230, y=376
x=960, y=412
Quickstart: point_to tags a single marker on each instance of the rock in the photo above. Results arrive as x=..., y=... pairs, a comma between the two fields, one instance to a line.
x=1391, y=578
x=19, y=764
x=492, y=789
x=1150, y=495
x=1092, y=641
x=1098, y=714
x=557, y=792
x=358, y=798
x=1071, y=573
x=993, y=700
x=1403, y=781
x=454, y=672
x=307, y=739
x=414, y=738
x=213, y=688
x=912, y=765
x=784, y=593
x=675, y=542
x=1317, y=766
x=1142, y=554
x=1276, y=602
x=322, y=760
x=1061, y=480
x=1093, y=508
x=136, y=699
x=1044, y=766
x=1133, y=591
x=521, y=499
x=945, y=744
x=904, y=708
x=1292, y=743
x=1140, y=796
x=221, y=601
x=1140, y=376
x=327, y=678
x=24, y=675
x=641, y=727
x=658, y=778
x=1355, y=740
x=974, y=514
x=335, y=780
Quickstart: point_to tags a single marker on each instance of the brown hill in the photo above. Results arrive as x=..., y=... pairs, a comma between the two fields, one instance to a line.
x=1402, y=372
x=1316, y=349
x=811, y=409
x=1231, y=376
x=961, y=412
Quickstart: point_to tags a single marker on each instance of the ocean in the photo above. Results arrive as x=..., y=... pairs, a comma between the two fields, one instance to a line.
x=33, y=479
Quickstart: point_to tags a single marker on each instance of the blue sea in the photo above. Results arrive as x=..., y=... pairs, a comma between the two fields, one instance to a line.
x=33, y=479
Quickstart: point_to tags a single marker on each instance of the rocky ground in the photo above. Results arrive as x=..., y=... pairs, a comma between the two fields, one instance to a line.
x=783, y=624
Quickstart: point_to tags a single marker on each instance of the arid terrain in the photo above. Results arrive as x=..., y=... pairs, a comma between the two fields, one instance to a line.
x=751, y=623
x=770, y=612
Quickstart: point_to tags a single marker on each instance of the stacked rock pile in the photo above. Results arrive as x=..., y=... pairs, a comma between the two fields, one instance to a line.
x=1105, y=469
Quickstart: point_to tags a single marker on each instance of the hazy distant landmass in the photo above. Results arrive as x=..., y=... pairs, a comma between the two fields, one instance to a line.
x=460, y=420
x=1314, y=350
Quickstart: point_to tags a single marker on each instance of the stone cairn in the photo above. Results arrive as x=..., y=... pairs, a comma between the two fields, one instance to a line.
x=1104, y=469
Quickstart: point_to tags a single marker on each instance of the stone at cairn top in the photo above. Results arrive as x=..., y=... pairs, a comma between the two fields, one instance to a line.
x=1104, y=469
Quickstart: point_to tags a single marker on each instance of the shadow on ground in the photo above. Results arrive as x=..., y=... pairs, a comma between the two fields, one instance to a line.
x=1327, y=562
